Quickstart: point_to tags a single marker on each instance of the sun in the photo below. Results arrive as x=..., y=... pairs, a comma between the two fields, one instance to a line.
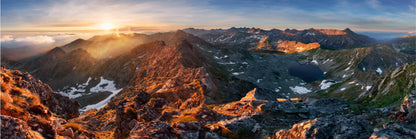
x=107, y=26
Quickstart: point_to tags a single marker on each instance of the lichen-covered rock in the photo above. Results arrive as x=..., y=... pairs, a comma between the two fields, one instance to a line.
x=57, y=103
x=259, y=94
x=299, y=130
x=329, y=105
x=13, y=128
x=395, y=130
x=333, y=126
x=239, y=124
x=126, y=117
x=153, y=130
x=404, y=125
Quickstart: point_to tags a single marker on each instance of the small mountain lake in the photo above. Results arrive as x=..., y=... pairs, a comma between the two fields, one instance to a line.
x=307, y=73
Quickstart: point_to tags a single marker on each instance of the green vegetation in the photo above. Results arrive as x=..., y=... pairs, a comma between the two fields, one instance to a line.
x=400, y=87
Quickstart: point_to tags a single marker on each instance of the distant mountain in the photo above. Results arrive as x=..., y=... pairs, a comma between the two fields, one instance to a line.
x=406, y=44
x=327, y=38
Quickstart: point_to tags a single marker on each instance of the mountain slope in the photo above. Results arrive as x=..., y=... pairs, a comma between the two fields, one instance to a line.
x=30, y=109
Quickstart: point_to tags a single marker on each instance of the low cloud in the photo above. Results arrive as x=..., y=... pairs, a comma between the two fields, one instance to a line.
x=17, y=45
x=6, y=38
x=36, y=39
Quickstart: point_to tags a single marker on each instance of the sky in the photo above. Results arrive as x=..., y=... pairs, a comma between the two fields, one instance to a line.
x=157, y=15
x=51, y=23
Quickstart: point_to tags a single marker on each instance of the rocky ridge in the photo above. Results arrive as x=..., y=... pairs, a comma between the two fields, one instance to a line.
x=30, y=109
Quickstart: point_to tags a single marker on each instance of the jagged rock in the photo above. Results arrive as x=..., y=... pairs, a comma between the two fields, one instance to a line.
x=166, y=116
x=395, y=130
x=188, y=129
x=299, y=130
x=141, y=98
x=152, y=110
x=405, y=126
x=188, y=134
x=196, y=100
x=239, y=124
x=68, y=132
x=57, y=103
x=42, y=126
x=262, y=94
x=336, y=126
x=153, y=130
x=195, y=126
x=125, y=114
x=329, y=105
x=276, y=106
x=212, y=135
x=206, y=115
x=408, y=107
x=12, y=128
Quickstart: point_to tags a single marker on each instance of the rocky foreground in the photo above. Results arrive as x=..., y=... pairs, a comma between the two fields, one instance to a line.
x=27, y=112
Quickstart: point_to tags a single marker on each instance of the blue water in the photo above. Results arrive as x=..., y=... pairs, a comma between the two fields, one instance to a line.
x=307, y=73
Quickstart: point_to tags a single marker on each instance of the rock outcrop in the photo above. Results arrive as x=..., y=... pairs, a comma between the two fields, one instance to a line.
x=30, y=109
x=403, y=124
x=61, y=105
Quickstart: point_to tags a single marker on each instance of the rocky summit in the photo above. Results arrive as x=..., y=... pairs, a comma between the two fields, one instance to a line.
x=221, y=83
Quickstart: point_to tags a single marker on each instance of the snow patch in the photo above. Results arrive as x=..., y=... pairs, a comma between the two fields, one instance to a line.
x=300, y=89
x=222, y=57
x=104, y=85
x=73, y=92
x=259, y=80
x=315, y=62
x=325, y=84
x=276, y=89
x=368, y=88
x=342, y=89
x=102, y=103
x=379, y=71
x=310, y=33
x=238, y=73
x=226, y=63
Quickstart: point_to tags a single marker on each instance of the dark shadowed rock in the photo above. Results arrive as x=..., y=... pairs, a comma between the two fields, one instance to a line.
x=126, y=117
x=336, y=127
x=15, y=128
x=153, y=130
x=57, y=103
x=262, y=94
x=141, y=98
x=329, y=105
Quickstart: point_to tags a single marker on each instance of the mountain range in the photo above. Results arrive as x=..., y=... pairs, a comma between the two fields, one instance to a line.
x=219, y=83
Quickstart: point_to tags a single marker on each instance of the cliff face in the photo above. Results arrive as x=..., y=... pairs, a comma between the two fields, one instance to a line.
x=57, y=103
x=30, y=109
